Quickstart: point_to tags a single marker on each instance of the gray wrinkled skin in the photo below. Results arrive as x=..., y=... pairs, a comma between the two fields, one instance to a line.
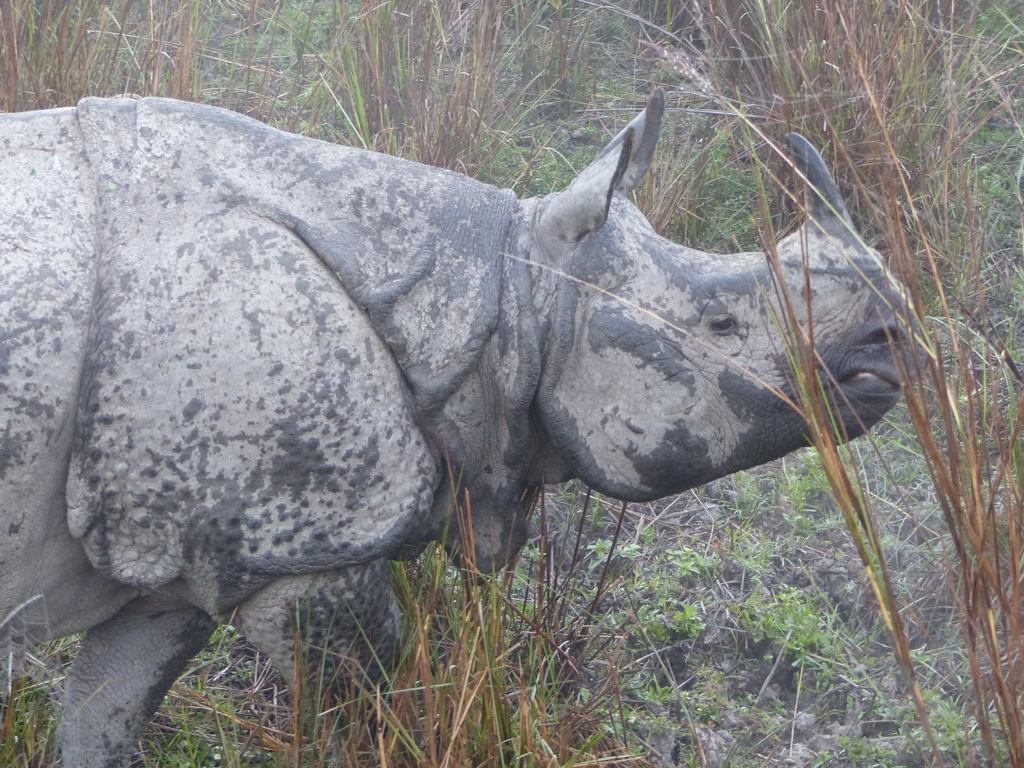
x=240, y=369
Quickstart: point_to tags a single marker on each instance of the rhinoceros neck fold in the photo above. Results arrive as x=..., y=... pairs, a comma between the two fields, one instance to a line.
x=485, y=431
x=434, y=297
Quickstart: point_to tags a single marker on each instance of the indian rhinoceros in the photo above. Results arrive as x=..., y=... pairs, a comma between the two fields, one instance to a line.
x=241, y=369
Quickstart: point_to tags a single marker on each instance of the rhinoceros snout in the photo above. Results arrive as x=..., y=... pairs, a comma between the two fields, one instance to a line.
x=884, y=335
x=870, y=374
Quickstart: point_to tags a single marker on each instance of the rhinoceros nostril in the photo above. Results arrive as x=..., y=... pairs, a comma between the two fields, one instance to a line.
x=886, y=334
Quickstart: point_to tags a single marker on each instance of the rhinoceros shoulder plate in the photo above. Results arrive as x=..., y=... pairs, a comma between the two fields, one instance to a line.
x=244, y=413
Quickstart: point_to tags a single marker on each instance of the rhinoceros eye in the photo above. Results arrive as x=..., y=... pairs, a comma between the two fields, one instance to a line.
x=723, y=325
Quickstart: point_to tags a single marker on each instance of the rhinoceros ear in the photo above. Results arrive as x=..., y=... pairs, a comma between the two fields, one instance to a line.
x=583, y=207
x=827, y=208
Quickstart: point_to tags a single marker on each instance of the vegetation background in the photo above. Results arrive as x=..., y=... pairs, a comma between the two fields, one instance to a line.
x=845, y=606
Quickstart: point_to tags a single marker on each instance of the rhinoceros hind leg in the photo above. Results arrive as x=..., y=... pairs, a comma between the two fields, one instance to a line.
x=347, y=620
x=120, y=676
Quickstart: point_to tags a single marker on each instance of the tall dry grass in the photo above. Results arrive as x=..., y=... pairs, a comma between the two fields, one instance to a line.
x=488, y=664
x=900, y=92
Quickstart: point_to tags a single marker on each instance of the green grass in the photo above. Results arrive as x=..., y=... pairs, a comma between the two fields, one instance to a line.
x=741, y=608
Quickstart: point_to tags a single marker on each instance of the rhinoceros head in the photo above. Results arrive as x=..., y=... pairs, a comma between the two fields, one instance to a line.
x=667, y=367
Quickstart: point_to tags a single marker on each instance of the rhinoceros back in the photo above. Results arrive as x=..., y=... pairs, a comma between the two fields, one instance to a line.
x=242, y=413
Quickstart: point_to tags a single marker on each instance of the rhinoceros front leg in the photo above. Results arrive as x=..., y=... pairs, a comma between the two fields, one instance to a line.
x=119, y=677
x=347, y=621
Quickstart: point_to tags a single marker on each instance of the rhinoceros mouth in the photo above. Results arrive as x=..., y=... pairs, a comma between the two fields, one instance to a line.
x=871, y=382
x=866, y=394
x=863, y=396
x=869, y=371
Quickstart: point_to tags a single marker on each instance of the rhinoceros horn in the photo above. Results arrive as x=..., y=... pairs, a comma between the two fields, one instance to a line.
x=826, y=208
